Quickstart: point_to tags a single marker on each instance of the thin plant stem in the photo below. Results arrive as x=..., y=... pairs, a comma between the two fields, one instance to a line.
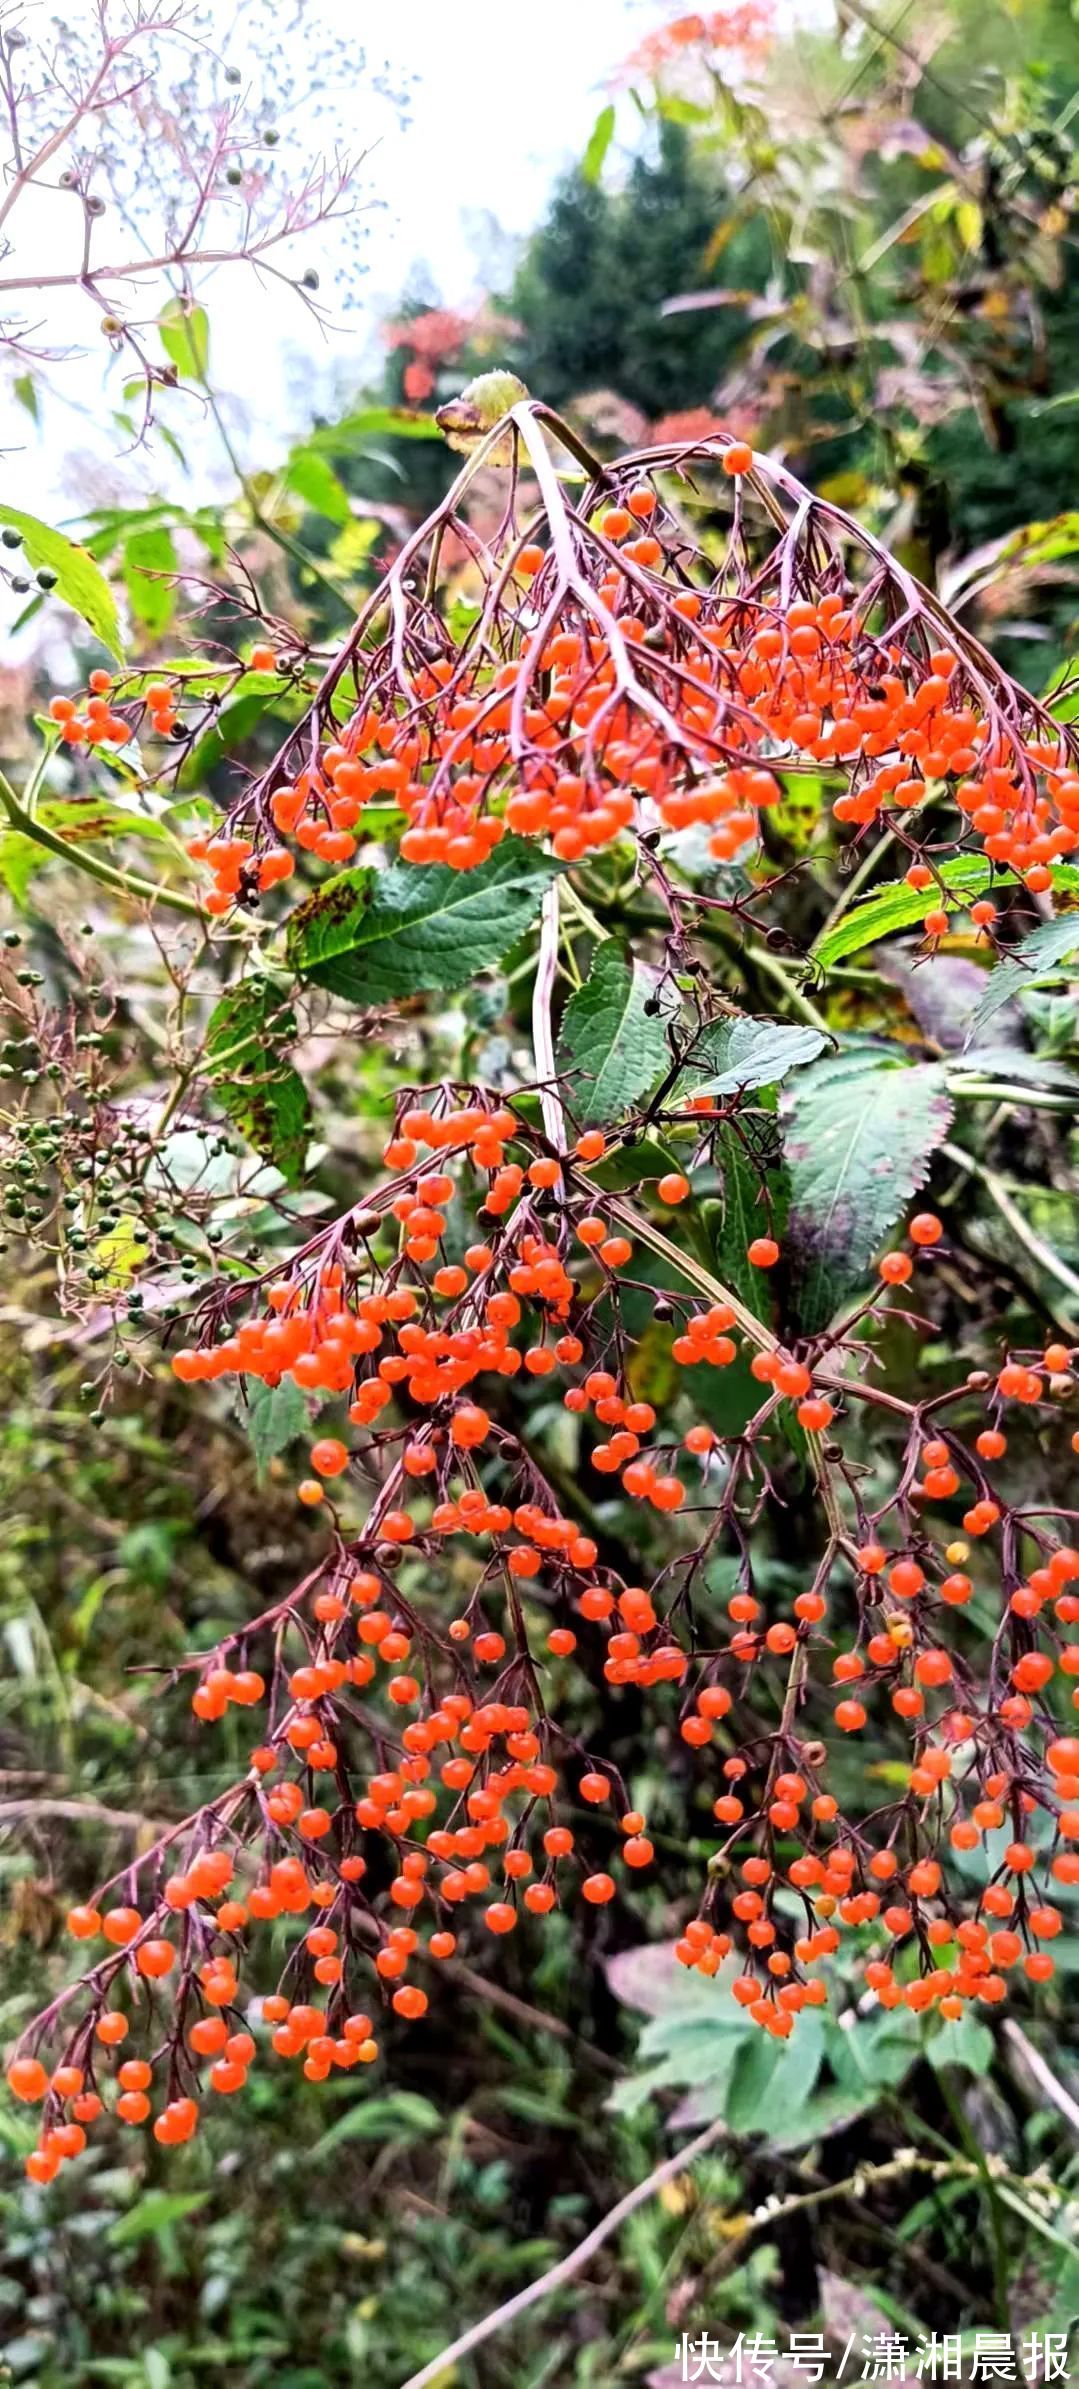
x=1009, y=1211
x=854, y=2186
x=125, y=883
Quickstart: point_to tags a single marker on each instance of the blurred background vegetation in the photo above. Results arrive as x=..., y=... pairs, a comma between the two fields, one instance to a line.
x=854, y=242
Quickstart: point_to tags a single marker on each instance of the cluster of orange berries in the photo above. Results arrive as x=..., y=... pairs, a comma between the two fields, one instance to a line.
x=973, y=1953
x=640, y=1649
x=396, y=1802
x=99, y=724
x=661, y=698
x=471, y=1781
x=328, y=1336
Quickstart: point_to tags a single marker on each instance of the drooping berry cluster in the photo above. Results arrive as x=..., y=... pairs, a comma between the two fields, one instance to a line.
x=412, y=1766
x=616, y=681
x=616, y=678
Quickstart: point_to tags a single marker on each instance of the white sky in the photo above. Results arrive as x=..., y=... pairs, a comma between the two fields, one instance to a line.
x=502, y=99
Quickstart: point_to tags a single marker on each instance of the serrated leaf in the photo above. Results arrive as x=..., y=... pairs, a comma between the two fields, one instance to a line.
x=78, y=581
x=895, y=906
x=598, y=144
x=276, y=1415
x=1014, y=1062
x=152, y=601
x=861, y=1133
x=309, y=475
x=1038, y=957
x=610, y=1049
x=262, y=1094
x=738, y=1055
x=185, y=338
x=743, y=1213
x=372, y=936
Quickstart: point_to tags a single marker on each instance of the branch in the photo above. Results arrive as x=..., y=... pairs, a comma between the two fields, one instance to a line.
x=907, y=2161
x=578, y=2257
x=542, y=1032
x=78, y=1812
x=1042, y=2073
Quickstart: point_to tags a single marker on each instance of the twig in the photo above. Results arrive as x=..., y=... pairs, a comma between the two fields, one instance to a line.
x=78, y=1812
x=482, y=1987
x=1009, y=1211
x=578, y=2257
x=542, y=1032
x=1042, y=2073
x=907, y=2161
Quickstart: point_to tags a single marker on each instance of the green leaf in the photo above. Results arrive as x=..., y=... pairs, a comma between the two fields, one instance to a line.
x=152, y=602
x=1061, y=693
x=403, y=2115
x=185, y=338
x=263, y=1096
x=254, y=696
x=743, y=1213
x=20, y=857
x=630, y=1166
x=964, y=878
x=154, y=2213
x=1015, y=1063
x=963, y=2042
x=737, y=1055
x=861, y=1132
x=372, y=423
x=1038, y=957
x=873, y=2053
x=728, y=1397
x=276, y=1415
x=771, y=2081
x=608, y=1041
x=674, y=109
x=374, y=935
x=313, y=480
x=122, y=1252
x=598, y=144
x=78, y=581
x=25, y=388
x=84, y=820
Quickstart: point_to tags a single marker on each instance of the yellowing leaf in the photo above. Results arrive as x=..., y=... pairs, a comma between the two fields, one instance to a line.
x=122, y=1252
